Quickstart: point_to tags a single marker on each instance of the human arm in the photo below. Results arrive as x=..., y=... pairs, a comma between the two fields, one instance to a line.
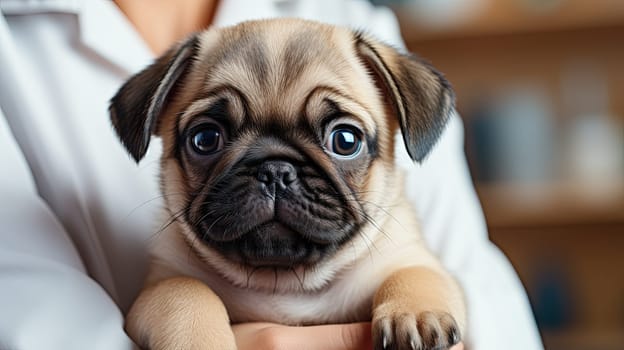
x=47, y=299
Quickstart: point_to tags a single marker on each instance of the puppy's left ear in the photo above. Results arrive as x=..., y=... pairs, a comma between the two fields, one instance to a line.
x=419, y=95
x=139, y=103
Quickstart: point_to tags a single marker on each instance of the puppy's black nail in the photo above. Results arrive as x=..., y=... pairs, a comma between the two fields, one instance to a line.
x=454, y=336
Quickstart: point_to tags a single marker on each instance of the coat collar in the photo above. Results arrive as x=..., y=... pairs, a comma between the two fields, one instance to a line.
x=105, y=32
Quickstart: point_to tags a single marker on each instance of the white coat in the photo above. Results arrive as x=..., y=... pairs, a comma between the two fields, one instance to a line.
x=76, y=213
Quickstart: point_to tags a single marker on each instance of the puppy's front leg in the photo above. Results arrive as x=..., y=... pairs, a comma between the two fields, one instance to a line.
x=418, y=308
x=179, y=313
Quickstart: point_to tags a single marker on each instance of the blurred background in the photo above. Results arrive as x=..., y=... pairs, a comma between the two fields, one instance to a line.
x=540, y=87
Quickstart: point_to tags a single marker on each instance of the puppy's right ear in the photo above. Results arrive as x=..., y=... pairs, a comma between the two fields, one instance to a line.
x=137, y=106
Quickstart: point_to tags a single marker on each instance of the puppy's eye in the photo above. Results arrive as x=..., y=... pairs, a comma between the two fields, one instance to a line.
x=344, y=141
x=207, y=140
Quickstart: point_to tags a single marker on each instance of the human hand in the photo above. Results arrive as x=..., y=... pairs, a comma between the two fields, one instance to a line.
x=261, y=336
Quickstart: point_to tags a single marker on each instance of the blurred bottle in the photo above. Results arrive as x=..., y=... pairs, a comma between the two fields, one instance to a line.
x=553, y=300
x=593, y=141
x=514, y=136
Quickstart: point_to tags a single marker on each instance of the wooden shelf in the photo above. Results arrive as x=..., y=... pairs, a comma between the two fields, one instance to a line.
x=521, y=206
x=515, y=16
x=583, y=339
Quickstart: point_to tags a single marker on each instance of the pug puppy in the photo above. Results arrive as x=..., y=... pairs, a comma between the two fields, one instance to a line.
x=279, y=178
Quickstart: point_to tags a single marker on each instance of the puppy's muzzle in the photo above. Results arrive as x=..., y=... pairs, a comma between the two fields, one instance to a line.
x=275, y=212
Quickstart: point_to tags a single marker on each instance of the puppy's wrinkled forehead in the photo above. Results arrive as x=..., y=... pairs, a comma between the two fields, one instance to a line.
x=285, y=71
x=280, y=71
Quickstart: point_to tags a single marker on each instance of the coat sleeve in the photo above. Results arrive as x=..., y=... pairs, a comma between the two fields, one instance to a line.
x=47, y=299
x=499, y=314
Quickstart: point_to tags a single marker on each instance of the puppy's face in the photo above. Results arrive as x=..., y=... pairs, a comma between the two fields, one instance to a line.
x=278, y=141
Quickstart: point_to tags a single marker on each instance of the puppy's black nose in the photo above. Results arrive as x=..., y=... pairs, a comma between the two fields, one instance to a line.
x=278, y=172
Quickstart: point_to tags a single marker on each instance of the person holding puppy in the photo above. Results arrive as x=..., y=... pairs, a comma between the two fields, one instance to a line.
x=77, y=212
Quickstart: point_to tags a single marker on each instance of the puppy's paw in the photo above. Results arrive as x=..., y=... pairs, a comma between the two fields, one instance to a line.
x=415, y=331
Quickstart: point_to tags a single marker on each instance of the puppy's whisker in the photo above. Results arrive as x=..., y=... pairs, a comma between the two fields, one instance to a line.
x=173, y=218
x=211, y=226
x=382, y=209
x=203, y=217
x=188, y=182
x=363, y=192
x=374, y=223
x=385, y=211
x=304, y=275
x=355, y=252
x=152, y=200
x=370, y=245
x=191, y=251
x=294, y=271
x=250, y=274
x=275, y=282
